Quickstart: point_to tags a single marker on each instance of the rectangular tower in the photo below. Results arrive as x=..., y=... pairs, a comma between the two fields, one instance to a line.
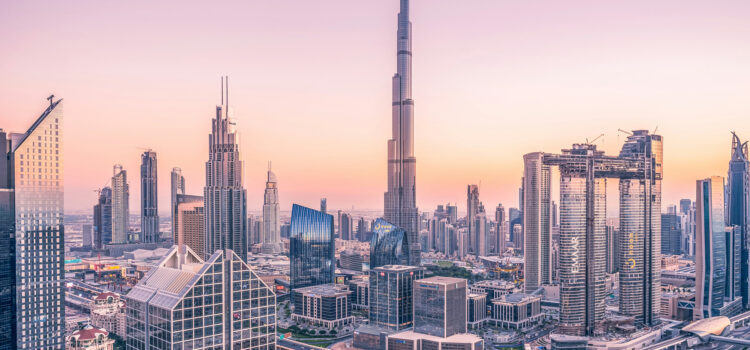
x=536, y=222
x=440, y=306
x=149, y=198
x=391, y=296
x=311, y=248
x=738, y=206
x=120, y=205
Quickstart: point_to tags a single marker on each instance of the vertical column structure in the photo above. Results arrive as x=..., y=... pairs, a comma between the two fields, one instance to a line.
x=536, y=222
x=400, y=205
x=225, y=199
x=738, y=209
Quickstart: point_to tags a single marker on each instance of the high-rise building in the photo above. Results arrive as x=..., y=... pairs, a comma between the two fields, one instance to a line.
x=103, y=219
x=536, y=222
x=271, y=226
x=738, y=208
x=687, y=223
x=401, y=197
x=389, y=245
x=32, y=278
x=363, y=228
x=500, y=229
x=311, y=248
x=640, y=229
x=87, y=235
x=120, y=205
x=713, y=258
x=176, y=186
x=479, y=224
x=225, y=199
x=685, y=205
x=472, y=209
x=440, y=306
x=190, y=221
x=392, y=297
x=324, y=205
x=452, y=213
x=149, y=198
x=185, y=302
x=345, y=226
x=613, y=249
x=671, y=233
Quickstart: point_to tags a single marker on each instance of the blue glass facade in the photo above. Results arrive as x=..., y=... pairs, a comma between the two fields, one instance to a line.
x=738, y=206
x=389, y=245
x=711, y=270
x=103, y=219
x=7, y=252
x=311, y=248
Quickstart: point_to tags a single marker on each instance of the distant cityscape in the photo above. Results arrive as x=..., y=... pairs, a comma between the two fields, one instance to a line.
x=552, y=271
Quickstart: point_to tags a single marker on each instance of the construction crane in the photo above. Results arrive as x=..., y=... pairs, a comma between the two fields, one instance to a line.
x=594, y=140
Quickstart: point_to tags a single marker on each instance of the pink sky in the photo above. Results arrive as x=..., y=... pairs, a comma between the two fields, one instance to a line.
x=310, y=86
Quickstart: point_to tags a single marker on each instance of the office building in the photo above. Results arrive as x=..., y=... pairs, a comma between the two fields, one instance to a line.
x=311, y=248
x=714, y=259
x=149, y=198
x=440, y=306
x=225, y=198
x=389, y=245
x=325, y=305
x=476, y=310
x=738, y=208
x=613, y=249
x=345, y=226
x=190, y=222
x=350, y=260
x=87, y=235
x=103, y=219
x=500, y=229
x=324, y=205
x=176, y=187
x=32, y=253
x=516, y=311
x=185, y=302
x=409, y=340
x=271, y=227
x=671, y=234
x=120, y=205
x=536, y=222
x=392, y=297
x=400, y=199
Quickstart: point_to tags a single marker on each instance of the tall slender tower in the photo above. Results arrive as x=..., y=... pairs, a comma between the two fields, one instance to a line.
x=400, y=198
x=120, y=205
x=536, y=222
x=32, y=277
x=738, y=208
x=149, y=198
x=176, y=187
x=225, y=200
x=271, y=237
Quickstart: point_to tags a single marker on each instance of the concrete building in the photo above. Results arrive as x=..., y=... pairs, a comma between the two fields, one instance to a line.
x=120, y=205
x=103, y=219
x=108, y=312
x=350, y=260
x=149, y=198
x=325, y=305
x=472, y=209
x=90, y=338
x=536, y=222
x=517, y=311
x=410, y=340
x=271, y=237
x=176, y=187
x=500, y=230
x=360, y=288
x=190, y=221
x=476, y=310
x=186, y=302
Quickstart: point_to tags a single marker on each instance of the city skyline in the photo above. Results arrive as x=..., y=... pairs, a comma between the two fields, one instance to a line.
x=619, y=77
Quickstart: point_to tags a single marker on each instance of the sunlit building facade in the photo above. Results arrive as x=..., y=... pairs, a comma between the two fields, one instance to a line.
x=120, y=205
x=440, y=306
x=32, y=291
x=389, y=245
x=311, y=248
x=536, y=222
x=149, y=198
x=392, y=296
x=176, y=187
x=738, y=206
x=102, y=228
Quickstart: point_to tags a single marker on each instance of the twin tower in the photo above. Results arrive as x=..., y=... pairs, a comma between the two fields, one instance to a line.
x=584, y=171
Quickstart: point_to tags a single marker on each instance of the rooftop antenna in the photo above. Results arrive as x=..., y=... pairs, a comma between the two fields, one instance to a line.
x=655, y=130
x=222, y=90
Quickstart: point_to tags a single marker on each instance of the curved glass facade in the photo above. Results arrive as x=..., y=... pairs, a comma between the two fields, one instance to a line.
x=311, y=248
x=389, y=245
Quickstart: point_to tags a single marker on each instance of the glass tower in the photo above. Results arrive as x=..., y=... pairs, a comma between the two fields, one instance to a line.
x=389, y=245
x=738, y=205
x=103, y=219
x=311, y=248
x=400, y=199
x=710, y=255
x=536, y=222
x=440, y=306
x=391, y=296
x=120, y=205
x=32, y=294
x=176, y=187
x=149, y=198
x=225, y=199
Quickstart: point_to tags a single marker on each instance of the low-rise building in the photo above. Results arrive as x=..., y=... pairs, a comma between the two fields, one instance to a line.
x=410, y=340
x=108, y=312
x=516, y=311
x=325, y=305
x=90, y=338
x=360, y=289
x=476, y=310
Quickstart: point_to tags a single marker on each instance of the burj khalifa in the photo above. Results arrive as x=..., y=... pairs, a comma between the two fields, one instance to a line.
x=400, y=199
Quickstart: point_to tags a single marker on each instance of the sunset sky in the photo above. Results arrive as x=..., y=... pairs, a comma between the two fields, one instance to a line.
x=310, y=84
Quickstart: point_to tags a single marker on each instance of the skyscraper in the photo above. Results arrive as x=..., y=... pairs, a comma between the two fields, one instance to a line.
x=149, y=198
x=311, y=248
x=440, y=306
x=271, y=237
x=472, y=209
x=225, y=200
x=713, y=258
x=401, y=199
x=120, y=205
x=324, y=205
x=103, y=219
x=480, y=232
x=500, y=229
x=345, y=226
x=176, y=187
x=190, y=221
x=32, y=291
x=738, y=206
x=392, y=296
x=536, y=222
x=640, y=229
x=389, y=245
x=671, y=232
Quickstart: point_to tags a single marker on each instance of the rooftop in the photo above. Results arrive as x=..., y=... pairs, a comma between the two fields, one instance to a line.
x=456, y=338
x=442, y=280
x=396, y=268
x=516, y=298
x=324, y=290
